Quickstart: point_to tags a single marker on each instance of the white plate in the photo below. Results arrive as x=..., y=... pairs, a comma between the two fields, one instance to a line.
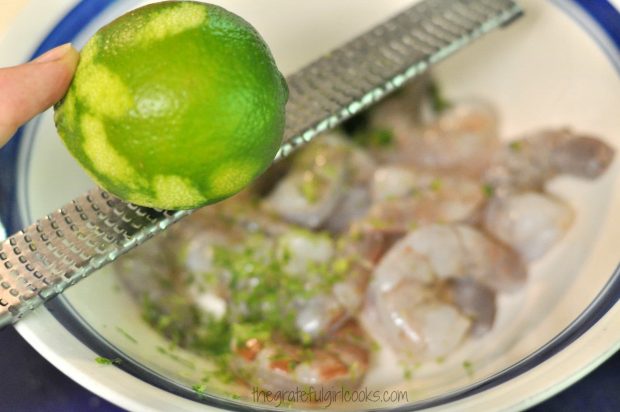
x=555, y=67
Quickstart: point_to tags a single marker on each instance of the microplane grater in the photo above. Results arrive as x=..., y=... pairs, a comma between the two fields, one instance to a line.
x=67, y=245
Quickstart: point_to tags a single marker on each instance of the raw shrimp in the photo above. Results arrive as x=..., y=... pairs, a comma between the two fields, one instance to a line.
x=437, y=285
x=270, y=363
x=174, y=306
x=474, y=299
x=339, y=280
x=529, y=162
x=313, y=187
x=413, y=322
x=200, y=236
x=197, y=240
x=461, y=140
x=529, y=222
x=295, y=281
x=521, y=213
x=404, y=199
x=356, y=198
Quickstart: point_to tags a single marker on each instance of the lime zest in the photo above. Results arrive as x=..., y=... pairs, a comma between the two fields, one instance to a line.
x=106, y=361
x=439, y=102
x=516, y=145
x=469, y=367
x=200, y=389
x=488, y=190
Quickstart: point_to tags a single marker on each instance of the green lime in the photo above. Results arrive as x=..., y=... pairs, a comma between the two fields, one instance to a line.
x=174, y=105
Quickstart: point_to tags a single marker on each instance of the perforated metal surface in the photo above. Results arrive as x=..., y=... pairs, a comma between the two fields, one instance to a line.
x=67, y=245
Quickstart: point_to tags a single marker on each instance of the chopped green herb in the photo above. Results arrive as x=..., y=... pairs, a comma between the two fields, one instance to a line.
x=278, y=356
x=232, y=395
x=306, y=339
x=378, y=223
x=329, y=171
x=223, y=372
x=379, y=138
x=307, y=355
x=439, y=360
x=310, y=190
x=436, y=185
x=243, y=332
x=382, y=138
x=105, y=361
x=488, y=190
x=469, y=367
x=354, y=370
x=262, y=288
x=407, y=374
x=341, y=266
x=438, y=102
x=516, y=146
x=200, y=388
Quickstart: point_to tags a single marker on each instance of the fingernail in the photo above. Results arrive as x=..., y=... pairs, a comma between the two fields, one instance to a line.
x=55, y=54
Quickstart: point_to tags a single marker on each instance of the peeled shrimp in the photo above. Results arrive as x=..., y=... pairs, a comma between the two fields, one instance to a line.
x=529, y=222
x=172, y=299
x=329, y=287
x=475, y=300
x=461, y=140
x=437, y=285
x=404, y=199
x=311, y=190
x=414, y=322
x=529, y=162
x=453, y=251
x=315, y=190
x=277, y=365
x=160, y=272
x=321, y=313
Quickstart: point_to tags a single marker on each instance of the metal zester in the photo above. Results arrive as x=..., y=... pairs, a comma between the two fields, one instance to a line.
x=67, y=245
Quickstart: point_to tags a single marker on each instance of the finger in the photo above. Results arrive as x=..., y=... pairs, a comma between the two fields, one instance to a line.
x=31, y=88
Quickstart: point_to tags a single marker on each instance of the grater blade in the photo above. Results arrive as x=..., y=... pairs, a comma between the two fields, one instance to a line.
x=67, y=245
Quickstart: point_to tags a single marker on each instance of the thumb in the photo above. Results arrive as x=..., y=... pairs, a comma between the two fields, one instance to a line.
x=31, y=88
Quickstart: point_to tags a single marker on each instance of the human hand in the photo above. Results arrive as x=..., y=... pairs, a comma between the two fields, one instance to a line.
x=31, y=88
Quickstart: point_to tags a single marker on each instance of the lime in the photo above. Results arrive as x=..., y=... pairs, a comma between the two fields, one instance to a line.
x=174, y=105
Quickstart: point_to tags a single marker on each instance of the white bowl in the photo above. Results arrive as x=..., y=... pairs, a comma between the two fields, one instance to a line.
x=557, y=66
